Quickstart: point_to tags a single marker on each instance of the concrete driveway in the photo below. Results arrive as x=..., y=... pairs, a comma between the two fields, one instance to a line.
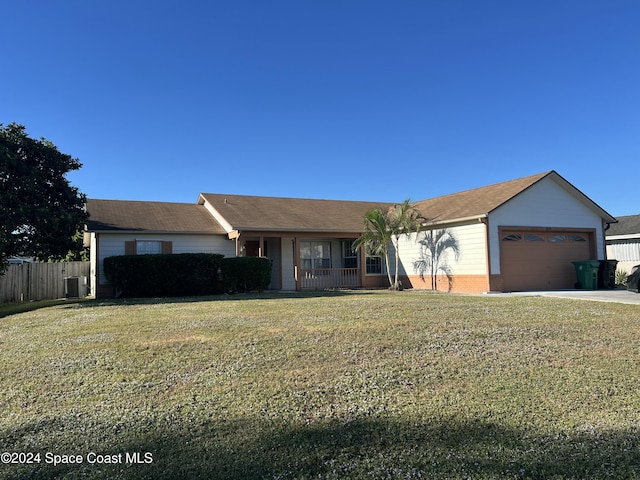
x=616, y=295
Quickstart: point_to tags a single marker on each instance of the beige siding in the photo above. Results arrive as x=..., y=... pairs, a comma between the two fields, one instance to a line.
x=545, y=204
x=471, y=243
x=113, y=244
x=288, y=276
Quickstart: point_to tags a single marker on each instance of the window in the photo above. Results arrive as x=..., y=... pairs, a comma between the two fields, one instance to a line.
x=315, y=255
x=146, y=247
x=557, y=238
x=373, y=263
x=531, y=237
x=349, y=257
x=577, y=238
x=512, y=237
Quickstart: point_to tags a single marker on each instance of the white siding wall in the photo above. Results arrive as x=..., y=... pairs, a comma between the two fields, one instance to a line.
x=471, y=243
x=545, y=204
x=624, y=250
x=113, y=244
x=93, y=259
x=288, y=278
x=274, y=252
x=627, y=252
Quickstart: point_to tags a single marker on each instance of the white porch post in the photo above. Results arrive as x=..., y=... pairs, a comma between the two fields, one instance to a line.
x=296, y=267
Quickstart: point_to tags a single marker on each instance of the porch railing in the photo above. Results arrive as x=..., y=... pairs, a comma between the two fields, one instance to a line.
x=321, y=278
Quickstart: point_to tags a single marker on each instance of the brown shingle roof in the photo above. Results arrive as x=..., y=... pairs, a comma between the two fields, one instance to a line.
x=290, y=214
x=478, y=201
x=121, y=215
x=252, y=213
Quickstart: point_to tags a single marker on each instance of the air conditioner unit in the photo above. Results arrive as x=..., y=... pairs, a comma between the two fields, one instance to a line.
x=75, y=287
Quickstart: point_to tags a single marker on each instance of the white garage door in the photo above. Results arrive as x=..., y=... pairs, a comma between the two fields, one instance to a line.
x=541, y=260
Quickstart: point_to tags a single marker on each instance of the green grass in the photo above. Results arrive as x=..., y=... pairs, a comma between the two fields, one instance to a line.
x=343, y=385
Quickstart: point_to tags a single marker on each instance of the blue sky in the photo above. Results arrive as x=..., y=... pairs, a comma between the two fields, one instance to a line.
x=364, y=100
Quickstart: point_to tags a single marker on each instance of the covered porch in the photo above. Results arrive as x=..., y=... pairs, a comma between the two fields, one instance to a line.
x=329, y=278
x=312, y=260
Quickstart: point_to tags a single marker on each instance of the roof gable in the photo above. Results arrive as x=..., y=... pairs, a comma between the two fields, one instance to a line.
x=482, y=201
x=474, y=202
x=125, y=215
x=242, y=212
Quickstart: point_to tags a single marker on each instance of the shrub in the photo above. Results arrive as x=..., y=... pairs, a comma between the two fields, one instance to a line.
x=244, y=274
x=164, y=275
x=621, y=278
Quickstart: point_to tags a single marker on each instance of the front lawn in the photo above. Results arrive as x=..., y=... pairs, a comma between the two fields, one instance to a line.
x=335, y=385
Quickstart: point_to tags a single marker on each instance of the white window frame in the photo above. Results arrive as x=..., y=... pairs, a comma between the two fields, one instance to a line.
x=318, y=256
x=148, y=247
x=368, y=256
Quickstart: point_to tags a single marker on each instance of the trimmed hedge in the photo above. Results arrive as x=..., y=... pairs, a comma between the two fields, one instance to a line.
x=164, y=275
x=244, y=274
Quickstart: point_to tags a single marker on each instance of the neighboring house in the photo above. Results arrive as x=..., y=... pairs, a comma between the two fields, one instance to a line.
x=623, y=242
x=517, y=235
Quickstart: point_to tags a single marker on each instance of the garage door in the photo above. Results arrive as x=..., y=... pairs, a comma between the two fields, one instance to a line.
x=535, y=260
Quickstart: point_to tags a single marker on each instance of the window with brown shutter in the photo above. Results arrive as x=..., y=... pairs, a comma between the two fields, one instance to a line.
x=142, y=247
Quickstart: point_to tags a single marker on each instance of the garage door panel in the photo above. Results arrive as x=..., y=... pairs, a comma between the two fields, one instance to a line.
x=544, y=263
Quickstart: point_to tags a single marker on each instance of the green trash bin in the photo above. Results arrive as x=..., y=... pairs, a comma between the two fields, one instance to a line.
x=587, y=273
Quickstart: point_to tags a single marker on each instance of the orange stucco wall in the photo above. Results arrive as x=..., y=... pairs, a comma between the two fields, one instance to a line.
x=461, y=283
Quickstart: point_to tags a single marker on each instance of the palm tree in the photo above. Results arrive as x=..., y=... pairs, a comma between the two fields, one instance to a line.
x=382, y=229
x=433, y=256
x=405, y=220
x=376, y=237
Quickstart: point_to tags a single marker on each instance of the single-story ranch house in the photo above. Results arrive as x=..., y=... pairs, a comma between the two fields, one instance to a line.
x=623, y=242
x=521, y=234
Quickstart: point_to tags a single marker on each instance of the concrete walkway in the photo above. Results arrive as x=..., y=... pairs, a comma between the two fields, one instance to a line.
x=616, y=295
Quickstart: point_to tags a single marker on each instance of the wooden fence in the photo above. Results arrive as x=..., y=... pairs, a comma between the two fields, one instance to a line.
x=39, y=281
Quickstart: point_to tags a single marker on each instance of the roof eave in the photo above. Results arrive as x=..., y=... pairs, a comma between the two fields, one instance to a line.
x=629, y=236
x=478, y=217
x=295, y=230
x=155, y=232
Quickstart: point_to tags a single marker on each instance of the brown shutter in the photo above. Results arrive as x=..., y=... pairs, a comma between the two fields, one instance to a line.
x=130, y=247
x=167, y=247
